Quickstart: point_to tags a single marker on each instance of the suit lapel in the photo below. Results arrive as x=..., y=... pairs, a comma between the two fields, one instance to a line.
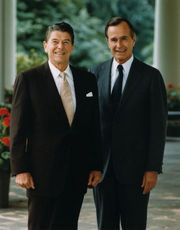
x=53, y=94
x=132, y=82
x=56, y=98
x=77, y=88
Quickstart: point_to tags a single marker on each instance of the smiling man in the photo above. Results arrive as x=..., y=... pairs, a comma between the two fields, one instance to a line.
x=55, y=135
x=133, y=112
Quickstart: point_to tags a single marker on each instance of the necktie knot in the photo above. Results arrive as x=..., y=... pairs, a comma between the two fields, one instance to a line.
x=120, y=68
x=63, y=75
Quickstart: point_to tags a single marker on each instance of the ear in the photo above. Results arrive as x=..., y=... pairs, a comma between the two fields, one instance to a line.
x=45, y=46
x=134, y=39
x=72, y=48
x=107, y=42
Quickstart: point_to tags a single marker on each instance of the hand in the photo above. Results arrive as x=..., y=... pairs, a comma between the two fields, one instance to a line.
x=149, y=181
x=94, y=178
x=25, y=180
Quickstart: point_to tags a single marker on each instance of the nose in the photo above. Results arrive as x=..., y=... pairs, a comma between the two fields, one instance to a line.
x=118, y=44
x=60, y=45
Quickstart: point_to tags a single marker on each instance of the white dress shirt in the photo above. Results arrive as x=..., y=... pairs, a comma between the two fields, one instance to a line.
x=56, y=72
x=115, y=72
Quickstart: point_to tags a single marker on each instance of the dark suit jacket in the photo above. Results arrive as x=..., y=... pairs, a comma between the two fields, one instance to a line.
x=135, y=134
x=42, y=142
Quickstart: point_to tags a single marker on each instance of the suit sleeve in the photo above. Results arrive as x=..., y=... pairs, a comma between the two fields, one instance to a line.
x=158, y=118
x=20, y=113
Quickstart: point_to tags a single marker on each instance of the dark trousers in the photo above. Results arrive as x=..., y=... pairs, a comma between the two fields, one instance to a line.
x=60, y=213
x=120, y=204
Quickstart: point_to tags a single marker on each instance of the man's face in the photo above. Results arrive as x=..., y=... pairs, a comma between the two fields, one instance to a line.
x=59, y=47
x=120, y=42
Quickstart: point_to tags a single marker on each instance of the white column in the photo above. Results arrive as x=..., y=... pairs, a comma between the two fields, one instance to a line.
x=10, y=42
x=1, y=53
x=167, y=40
x=7, y=44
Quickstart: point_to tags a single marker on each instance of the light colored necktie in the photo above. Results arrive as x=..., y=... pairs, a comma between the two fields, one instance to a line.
x=66, y=96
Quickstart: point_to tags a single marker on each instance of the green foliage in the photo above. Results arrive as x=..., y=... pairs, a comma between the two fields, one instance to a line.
x=5, y=155
x=90, y=44
x=33, y=18
x=139, y=12
x=26, y=61
x=88, y=18
x=147, y=53
x=7, y=97
x=173, y=97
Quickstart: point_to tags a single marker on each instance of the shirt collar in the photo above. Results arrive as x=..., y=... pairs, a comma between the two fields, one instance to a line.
x=126, y=65
x=55, y=71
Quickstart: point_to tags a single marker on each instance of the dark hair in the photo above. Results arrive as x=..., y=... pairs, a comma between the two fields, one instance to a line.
x=62, y=26
x=116, y=21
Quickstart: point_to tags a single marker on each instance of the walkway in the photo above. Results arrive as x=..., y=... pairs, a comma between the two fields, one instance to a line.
x=164, y=206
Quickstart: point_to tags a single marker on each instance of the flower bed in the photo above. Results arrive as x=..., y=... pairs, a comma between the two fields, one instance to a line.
x=4, y=138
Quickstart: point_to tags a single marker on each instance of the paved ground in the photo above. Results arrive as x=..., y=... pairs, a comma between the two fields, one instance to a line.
x=164, y=206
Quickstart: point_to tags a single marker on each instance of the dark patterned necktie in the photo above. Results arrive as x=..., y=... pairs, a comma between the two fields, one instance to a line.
x=117, y=89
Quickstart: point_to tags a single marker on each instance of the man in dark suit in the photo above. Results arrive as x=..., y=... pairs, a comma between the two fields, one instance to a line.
x=55, y=135
x=132, y=100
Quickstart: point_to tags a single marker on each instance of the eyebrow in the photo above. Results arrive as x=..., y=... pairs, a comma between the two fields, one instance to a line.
x=67, y=39
x=124, y=36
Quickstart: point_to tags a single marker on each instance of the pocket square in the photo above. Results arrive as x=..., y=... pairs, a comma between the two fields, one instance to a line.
x=90, y=94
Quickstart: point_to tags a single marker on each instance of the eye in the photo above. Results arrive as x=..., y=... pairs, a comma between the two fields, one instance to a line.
x=113, y=39
x=66, y=42
x=124, y=38
x=54, y=42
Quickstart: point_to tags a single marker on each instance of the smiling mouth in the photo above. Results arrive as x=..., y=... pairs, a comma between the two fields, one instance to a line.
x=59, y=53
x=120, y=51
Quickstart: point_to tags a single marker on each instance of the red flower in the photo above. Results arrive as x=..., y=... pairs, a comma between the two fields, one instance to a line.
x=171, y=98
x=4, y=111
x=170, y=85
x=6, y=121
x=6, y=141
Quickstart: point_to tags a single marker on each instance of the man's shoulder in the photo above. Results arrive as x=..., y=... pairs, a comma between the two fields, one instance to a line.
x=99, y=67
x=145, y=67
x=81, y=72
x=33, y=73
x=35, y=69
x=149, y=73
